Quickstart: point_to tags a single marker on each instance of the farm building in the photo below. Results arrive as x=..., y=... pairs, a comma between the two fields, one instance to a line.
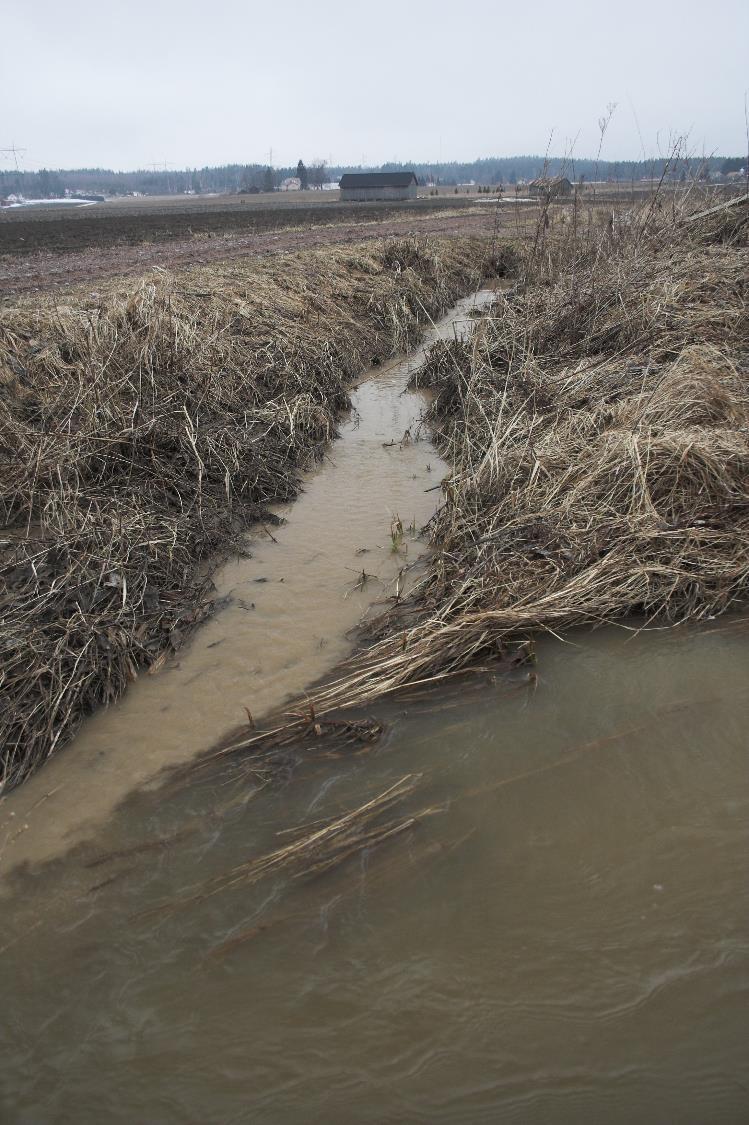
x=378, y=185
x=549, y=187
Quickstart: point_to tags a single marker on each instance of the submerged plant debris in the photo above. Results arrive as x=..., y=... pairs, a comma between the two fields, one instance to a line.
x=317, y=847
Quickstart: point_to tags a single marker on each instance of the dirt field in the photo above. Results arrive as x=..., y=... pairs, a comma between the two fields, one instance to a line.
x=48, y=268
x=53, y=247
x=127, y=221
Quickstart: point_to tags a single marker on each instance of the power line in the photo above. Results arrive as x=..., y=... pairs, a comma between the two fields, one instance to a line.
x=14, y=152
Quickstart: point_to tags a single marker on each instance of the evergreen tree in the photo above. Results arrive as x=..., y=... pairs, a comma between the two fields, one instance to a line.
x=301, y=172
x=268, y=180
x=49, y=184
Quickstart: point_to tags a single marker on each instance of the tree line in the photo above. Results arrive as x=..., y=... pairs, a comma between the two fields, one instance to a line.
x=236, y=178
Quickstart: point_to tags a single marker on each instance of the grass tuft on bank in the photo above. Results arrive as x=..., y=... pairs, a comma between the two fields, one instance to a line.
x=597, y=424
x=144, y=426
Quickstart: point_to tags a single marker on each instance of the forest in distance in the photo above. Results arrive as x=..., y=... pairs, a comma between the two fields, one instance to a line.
x=232, y=178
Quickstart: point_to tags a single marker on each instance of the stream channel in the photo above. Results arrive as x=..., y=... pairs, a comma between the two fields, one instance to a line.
x=565, y=938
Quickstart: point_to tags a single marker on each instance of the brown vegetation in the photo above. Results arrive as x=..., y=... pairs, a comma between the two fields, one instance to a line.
x=140, y=430
x=597, y=422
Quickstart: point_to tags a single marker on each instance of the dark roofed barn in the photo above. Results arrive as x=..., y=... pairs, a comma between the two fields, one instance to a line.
x=549, y=187
x=378, y=185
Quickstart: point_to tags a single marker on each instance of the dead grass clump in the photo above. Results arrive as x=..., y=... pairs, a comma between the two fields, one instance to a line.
x=597, y=422
x=142, y=428
x=726, y=222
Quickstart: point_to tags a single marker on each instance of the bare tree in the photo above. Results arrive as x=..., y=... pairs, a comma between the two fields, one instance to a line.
x=317, y=173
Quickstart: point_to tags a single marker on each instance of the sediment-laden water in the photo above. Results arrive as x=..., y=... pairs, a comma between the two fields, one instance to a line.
x=565, y=941
x=561, y=936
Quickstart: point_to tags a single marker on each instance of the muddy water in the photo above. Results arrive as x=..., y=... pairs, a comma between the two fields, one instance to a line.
x=291, y=607
x=565, y=941
x=564, y=938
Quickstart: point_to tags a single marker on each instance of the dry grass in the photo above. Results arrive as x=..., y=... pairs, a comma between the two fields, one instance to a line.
x=142, y=429
x=597, y=422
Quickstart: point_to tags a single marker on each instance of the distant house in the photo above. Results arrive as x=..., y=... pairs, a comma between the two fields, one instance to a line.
x=549, y=187
x=291, y=183
x=363, y=186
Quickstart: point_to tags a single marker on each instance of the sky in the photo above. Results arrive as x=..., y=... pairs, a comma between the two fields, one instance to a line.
x=128, y=84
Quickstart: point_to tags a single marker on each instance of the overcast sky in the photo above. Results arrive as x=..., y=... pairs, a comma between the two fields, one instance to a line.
x=202, y=82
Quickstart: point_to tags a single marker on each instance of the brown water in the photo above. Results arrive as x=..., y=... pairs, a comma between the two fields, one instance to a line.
x=566, y=942
x=291, y=608
x=564, y=939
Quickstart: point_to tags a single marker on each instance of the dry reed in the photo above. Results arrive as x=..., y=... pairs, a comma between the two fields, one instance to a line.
x=141, y=429
x=597, y=422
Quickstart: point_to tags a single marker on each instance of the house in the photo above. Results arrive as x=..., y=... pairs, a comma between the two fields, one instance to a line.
x=291, y=183
x=549, y=187
x=378, y=185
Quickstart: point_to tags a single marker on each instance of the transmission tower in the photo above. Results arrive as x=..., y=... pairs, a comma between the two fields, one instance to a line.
x=163, y=166
x=14, y=152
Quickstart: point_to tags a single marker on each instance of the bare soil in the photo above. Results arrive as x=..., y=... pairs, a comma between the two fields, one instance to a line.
x=25, y=230
x=45, y=270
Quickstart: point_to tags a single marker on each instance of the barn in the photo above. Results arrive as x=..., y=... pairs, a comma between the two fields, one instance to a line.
x=363, y=186
x=549, y=187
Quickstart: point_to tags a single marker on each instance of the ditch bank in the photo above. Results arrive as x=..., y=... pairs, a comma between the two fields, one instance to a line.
x=144, y=429
x=596, y=423
x=289, y=607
